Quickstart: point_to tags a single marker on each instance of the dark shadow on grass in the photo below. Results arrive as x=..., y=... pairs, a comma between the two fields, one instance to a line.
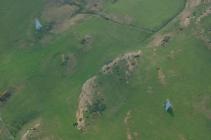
x=171, y=112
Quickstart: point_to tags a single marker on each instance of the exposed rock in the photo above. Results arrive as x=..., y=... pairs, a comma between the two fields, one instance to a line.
x=32, y=132
x=89, y=90
x=85, y=99
x=130, y=58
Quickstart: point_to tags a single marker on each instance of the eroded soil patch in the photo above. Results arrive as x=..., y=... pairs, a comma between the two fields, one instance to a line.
x=90, y=94
x=86, y=98
x=130, y=134
x=130, y=58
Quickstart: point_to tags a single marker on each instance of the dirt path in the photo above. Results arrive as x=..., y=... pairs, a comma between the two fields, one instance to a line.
x=185, y=16
x=130, y=134
x=184, y=19
x=126, y=121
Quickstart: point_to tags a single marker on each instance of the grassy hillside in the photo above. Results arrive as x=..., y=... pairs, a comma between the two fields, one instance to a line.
x=46, y=74
x=148, y=14
x=186, y=84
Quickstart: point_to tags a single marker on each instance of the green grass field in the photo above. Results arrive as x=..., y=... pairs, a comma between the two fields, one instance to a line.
x=148, y=14
x=47, y=92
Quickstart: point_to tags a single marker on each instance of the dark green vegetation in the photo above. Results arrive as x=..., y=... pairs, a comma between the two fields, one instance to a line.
x=47, y=75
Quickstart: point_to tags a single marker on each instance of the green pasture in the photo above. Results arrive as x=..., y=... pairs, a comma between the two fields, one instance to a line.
x=49, y=91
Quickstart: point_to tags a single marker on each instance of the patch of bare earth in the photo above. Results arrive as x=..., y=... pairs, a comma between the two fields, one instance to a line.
x=54, y=12
x=130, y=58
x=161, y=76
x=89, y=88
x=185, y=16
x=64, y=15
x=130, y=135
x=94, y=5
x=67, y=23
x=32, y=132
x=203, y=15
x=201, y=34
x=161, y=39
x=85, y=99
x=126, y=121
x=61, y=15
x=35, y=131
